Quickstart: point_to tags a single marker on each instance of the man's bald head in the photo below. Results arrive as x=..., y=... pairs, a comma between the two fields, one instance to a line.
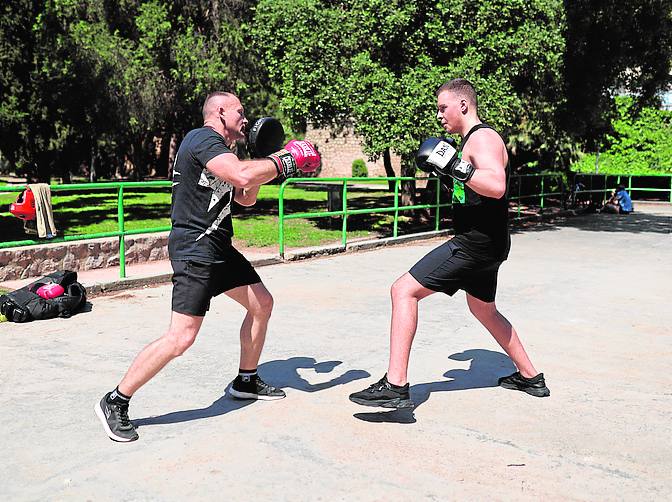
x=217, y=100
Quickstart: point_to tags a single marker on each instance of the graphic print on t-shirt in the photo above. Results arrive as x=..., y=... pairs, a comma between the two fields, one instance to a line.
x=221, y=191
x=201, y=202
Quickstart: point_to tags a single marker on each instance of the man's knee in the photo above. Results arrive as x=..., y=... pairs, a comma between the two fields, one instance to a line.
x=262, y=305
x=180, y=340
x=405, y=287
x=483, y=311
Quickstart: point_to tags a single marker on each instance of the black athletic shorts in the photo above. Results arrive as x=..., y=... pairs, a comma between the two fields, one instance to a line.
x=449, y=268
x=194, y=283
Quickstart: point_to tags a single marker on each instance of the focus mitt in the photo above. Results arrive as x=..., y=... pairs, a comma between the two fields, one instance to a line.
x=266, y=136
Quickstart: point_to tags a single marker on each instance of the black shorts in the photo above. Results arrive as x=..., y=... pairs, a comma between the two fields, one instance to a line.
x=449, y=268
x=194, y=283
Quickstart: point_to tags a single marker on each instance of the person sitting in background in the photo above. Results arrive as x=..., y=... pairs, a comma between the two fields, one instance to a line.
x=619, y=203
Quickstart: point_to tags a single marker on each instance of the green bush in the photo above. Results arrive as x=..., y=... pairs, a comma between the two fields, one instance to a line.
x=641, y=144
x=359, y=169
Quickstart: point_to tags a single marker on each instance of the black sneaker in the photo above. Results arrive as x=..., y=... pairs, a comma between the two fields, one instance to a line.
x=535, y=386
x=383, y=394
x=253, y=387
x=116, y=423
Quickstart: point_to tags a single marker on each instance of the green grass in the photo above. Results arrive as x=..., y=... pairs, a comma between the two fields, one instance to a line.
x=262, y=231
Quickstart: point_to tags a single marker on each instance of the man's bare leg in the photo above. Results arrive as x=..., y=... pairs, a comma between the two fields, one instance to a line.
x=406, y=292
x=392, y=391
x=259, y=305
x=179, y=337
x=503, y=332
x=112, y=410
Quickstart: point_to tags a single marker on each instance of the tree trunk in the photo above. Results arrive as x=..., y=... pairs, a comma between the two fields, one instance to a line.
x=172, y=154
x=389, y=171
x=407, y=187
x=162, y=166
x=214, y=16
x=92, y=165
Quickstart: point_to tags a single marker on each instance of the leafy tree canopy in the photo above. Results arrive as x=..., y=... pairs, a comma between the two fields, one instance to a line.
x=613, y=47
x=379, y=63
x=641, y=142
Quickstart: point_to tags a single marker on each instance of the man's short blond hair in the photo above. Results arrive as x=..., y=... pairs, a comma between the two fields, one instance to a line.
x=462, y=87
x=212, y=100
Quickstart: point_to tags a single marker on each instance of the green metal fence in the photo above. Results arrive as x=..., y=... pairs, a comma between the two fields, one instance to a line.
x=121, y=232
x=537, y=191
x=341, y=184
x=602, y=184
x=534, y=190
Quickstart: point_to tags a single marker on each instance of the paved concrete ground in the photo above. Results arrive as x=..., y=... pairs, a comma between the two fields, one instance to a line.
x=590, y=297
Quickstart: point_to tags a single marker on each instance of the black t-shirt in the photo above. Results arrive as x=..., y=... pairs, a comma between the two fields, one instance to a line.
x=201, y=203
x=481, y=223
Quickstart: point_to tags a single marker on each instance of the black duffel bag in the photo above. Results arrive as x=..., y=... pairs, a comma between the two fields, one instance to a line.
x=25, y=304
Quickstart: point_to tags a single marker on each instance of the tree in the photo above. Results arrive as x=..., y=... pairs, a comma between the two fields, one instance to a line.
x=640, y=144
x=612, y=47
x=380, y=62
x=21, y=91
x=98, y=81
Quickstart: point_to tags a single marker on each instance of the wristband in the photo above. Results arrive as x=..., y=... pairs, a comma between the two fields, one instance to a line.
x=285, y=164
x=462, y=171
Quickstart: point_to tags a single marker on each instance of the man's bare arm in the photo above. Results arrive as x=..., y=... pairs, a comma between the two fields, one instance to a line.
x=246, y=196
x=487, y=153
x=245, y=174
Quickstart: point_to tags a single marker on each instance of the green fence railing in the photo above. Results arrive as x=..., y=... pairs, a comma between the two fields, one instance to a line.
x=603, y=184
x=536, y=190
x=531, y=187
x=121, y=231
x=533, y=190
x=524, y=187
x=340, y=185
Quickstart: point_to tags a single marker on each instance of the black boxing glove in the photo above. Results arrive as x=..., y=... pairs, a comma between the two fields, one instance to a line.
x=439, y=156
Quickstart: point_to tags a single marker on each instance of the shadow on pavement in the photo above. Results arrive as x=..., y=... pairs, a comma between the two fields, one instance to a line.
x=485, y=368
x=281, y=373
x=637, y=222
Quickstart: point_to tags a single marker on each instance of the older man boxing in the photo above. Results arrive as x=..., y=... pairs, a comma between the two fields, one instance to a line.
x=207, y=177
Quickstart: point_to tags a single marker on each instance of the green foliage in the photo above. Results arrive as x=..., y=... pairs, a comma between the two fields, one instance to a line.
x=359, y=169
x=83, y=80
x=611, y=45
x=640, y=144
x=378, y=63
x=93, y=80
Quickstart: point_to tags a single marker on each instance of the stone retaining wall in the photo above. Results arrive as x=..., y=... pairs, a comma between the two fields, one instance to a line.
x=33, y=261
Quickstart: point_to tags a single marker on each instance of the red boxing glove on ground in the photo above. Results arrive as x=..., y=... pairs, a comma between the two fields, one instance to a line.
x=297, y=155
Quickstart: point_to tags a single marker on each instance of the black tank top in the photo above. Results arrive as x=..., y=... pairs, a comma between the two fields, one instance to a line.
x=481, y=223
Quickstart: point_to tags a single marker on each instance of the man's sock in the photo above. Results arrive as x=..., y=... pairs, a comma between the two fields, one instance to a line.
x=247, y=375
x=395, y=387
x=117, y=397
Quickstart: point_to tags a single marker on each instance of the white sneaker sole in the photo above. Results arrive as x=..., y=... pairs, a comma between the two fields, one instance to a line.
x=258, y=397
x=101, y=415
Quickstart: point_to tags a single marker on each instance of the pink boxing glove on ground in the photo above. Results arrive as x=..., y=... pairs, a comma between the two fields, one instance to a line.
x=49, y=291
x=298, y=155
